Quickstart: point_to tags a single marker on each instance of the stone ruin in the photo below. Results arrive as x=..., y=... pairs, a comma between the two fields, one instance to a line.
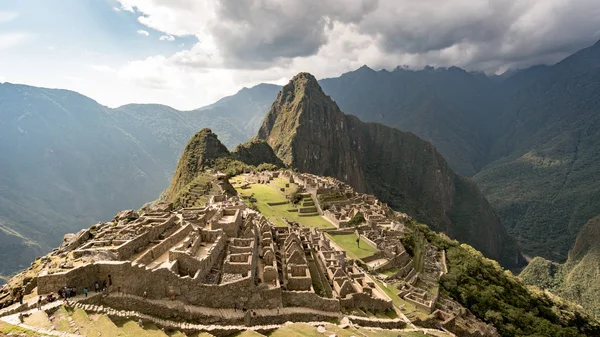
x=225, y=256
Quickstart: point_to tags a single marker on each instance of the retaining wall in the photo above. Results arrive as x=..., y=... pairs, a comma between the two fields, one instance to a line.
x=308, y=299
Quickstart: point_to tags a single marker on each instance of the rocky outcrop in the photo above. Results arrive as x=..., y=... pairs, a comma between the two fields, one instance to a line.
x=308, y=131
x=255, y=152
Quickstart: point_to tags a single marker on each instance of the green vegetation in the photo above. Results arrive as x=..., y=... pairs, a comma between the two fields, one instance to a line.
x=349, y=244
x=13, y=330
x=257, y=152
x=496, y=296
x=406, y=307
x=576, y=279
x=357, y=220
x=265, y=194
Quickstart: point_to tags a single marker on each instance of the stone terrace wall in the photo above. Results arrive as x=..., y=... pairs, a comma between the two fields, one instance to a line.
x=399, y=260
x=165, y=245
x=376, y=256
x=379, y=323
x=135, y=279
x=309, y=299
x=164, y=309
x=365, y=301
x=127, y=249
x=198, y=267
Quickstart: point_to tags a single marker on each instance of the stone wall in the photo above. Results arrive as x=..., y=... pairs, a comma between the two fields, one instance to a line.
x=308, y=299
x=376, y=256
x=161, y=248
x=198, y=267
x=399, y=260
x=365, y=301
x=379, y=323
x=166, y=310
x=159, y=283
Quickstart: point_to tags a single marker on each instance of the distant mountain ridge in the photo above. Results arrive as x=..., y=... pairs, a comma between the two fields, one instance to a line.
x=308, y=131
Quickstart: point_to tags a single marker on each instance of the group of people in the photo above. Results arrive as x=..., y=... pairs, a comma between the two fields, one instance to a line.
x=67, y=292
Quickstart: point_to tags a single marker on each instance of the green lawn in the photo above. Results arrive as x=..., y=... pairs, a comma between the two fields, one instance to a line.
x=399, y=302
x=269, y=194
x=348, y=243
x=390, y=272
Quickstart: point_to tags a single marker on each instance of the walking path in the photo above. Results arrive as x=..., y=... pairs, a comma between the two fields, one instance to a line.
x=15, y=320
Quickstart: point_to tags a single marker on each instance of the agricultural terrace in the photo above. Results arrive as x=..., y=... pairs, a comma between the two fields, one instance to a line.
x=263, y=196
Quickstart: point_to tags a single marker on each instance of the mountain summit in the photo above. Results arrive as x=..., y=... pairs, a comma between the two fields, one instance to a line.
x=308, y=131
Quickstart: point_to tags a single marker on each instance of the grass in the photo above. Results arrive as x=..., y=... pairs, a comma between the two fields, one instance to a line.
x=271, y=194
x=401, y=303
x=390, y=272
x=13, y=330
x=348, y=243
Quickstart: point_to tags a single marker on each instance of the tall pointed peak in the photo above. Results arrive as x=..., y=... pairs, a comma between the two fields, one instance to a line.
x=301, y=107
x=300, y=84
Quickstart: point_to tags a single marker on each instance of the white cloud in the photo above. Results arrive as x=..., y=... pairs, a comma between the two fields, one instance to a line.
x=142, y=32
x=167, y=38
x=6, y=16
x=153, y=73
x=2, y=79
x=9, y=40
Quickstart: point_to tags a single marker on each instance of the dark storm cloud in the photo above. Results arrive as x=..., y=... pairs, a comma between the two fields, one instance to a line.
x=475, y=34
x=267, y=30
x=470, y=33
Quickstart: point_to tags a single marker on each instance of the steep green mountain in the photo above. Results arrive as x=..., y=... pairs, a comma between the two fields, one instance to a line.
x=308, y=131
x=543, y=182
x=67, y=161
x=205, y=151
x=201, y=152
x=576, y=279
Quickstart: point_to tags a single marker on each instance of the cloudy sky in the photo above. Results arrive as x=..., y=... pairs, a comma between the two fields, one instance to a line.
x=189, y=53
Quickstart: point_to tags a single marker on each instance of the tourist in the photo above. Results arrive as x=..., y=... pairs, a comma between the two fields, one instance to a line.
x=85, y=291
x=68, y=291
x=104, y=291
x=145, y=294
x=39, y=303
x=97, y=286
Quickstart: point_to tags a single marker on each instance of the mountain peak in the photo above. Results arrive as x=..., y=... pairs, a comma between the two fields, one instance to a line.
x=300, y=105
x=200, y=152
